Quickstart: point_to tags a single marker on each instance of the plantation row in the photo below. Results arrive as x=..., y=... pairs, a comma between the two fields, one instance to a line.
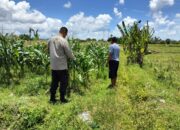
x=17, y=59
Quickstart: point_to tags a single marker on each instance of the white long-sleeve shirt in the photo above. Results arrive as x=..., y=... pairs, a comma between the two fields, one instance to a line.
x=59, y=53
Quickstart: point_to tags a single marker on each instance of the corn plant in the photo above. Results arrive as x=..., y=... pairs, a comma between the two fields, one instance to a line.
x=80, y=68
x=15, y=58
x=11, y=57
x=37, y=58
x=90, y=57
x=99, y=53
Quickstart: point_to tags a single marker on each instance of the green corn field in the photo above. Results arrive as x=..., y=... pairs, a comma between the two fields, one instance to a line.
x=147, y=96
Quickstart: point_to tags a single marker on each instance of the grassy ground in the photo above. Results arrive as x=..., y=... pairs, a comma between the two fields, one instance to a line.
x=145, y=99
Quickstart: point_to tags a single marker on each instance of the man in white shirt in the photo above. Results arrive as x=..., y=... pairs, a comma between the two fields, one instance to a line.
x=59, y=53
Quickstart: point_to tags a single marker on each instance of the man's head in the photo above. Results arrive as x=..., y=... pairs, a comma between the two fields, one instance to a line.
x=63, y=31
x=114, y=40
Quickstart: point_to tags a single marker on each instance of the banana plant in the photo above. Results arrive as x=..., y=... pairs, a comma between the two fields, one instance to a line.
x=135, y=41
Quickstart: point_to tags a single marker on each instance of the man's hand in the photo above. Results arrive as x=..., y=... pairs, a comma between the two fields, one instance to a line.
x=109, y=58
x=107, y=64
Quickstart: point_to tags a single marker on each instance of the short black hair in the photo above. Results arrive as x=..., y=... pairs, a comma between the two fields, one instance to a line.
x=63, y=29
x=114, y=40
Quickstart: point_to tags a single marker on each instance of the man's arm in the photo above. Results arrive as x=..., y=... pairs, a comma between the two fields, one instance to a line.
x=48, y=47
x=109, y=57
x=68, y=51
x=110, y=53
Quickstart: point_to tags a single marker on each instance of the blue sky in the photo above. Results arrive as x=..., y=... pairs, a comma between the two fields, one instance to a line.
x=95, y=18
x=56, y=9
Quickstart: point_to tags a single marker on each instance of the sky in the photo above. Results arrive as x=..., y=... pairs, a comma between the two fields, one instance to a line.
x=89, y=19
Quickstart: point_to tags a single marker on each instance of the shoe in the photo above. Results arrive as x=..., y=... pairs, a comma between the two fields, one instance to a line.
x=110, y=86
x=64, y=100
x=52, y=101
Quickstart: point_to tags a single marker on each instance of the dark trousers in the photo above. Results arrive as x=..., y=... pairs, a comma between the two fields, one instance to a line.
x=113, y=68
x=59, y=77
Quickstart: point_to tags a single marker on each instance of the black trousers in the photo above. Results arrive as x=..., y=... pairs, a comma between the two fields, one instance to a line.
x=113, y=68
x=59, y=77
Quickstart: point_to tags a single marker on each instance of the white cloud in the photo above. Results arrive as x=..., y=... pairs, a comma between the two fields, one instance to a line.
x=121, y=1
x=67, y=5
x=157, y=14
x=128, y=21
x=117, y=12
x=178, y=15
x=19, y=17
x=161, y=20
x=156, y=5
x=20, y=12
x=171, y=31
x=164, y=26
x=115, y=32
x=82, y=26
x=31, y=17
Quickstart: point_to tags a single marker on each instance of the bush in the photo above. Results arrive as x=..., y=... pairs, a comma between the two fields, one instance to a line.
x=29, y=118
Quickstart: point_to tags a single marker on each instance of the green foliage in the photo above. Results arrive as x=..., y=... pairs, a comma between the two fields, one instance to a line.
x=28, y=118
x=25, y=37
x=16, y=58
x=8, y=113
x=89, y=58
x=11, y=53
x=157, y=40
x=34, y=88
x=135, y=41
x=144, y=99
x=37, y=58
x=98, y=53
